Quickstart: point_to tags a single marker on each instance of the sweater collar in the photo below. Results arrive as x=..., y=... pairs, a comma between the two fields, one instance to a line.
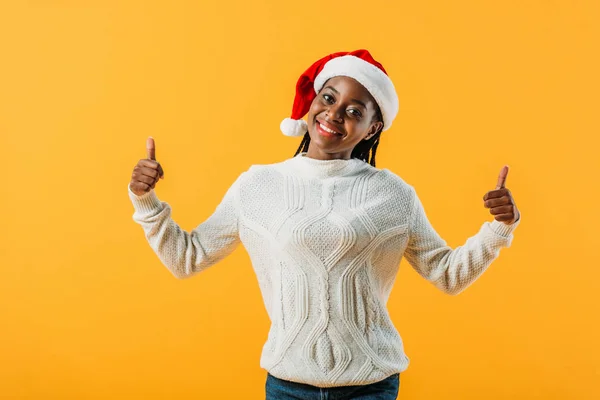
x=312, y=167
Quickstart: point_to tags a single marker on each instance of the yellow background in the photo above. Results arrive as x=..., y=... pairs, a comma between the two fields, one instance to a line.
x=87, y=311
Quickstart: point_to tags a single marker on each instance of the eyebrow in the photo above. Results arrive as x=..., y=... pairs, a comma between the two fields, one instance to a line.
x=354, y=100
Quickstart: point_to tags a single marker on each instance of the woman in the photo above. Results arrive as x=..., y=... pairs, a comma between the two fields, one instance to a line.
x=325, y=231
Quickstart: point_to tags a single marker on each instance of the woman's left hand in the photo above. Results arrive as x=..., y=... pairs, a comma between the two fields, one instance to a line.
x=500, y=201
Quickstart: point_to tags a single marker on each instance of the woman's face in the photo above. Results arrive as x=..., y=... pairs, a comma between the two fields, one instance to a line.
x=345, y=107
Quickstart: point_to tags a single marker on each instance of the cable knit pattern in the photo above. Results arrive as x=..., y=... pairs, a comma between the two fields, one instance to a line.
x=325, y=238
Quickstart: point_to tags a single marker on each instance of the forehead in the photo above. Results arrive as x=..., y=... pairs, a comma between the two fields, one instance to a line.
x=350, y=87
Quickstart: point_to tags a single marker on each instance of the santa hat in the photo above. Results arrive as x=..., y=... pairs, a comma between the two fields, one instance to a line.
x=358, y=64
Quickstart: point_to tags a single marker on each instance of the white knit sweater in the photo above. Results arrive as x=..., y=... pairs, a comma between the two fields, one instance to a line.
x=325, y=238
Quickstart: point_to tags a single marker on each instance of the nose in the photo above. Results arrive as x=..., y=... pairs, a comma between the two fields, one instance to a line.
x=335, y=113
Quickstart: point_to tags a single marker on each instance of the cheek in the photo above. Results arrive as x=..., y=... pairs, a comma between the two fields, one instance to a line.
x=357, y=126
x=315, y=108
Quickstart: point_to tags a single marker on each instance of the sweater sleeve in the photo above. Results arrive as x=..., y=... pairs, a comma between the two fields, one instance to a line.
x=187, y=253
x=453, y=270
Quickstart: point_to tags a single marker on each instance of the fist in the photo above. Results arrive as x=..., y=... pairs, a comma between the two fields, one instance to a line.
x=500, y=201
x=147, y=171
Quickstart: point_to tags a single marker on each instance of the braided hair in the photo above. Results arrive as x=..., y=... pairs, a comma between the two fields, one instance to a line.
x=365, y=150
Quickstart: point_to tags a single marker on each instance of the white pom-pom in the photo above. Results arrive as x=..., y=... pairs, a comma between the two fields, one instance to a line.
x=293, y=127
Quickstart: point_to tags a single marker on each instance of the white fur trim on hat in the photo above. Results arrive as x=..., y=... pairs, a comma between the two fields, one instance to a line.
x=293, y=127
x=371, y=77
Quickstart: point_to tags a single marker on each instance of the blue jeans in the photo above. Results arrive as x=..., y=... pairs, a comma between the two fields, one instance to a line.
x=279, y=389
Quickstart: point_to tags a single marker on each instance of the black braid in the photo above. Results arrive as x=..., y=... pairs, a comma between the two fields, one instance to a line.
x=303, y=145
x=365, y=150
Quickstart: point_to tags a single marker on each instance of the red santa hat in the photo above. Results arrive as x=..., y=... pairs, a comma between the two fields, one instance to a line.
x=358, y=64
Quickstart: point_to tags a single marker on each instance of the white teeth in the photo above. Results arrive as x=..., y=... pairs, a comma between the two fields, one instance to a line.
x=327, y=129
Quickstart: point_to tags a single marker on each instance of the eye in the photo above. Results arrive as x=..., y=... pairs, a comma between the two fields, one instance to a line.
x=328, y=98
x=354, y=112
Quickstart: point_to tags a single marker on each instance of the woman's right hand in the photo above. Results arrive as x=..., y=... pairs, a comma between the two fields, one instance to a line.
x=147, y=171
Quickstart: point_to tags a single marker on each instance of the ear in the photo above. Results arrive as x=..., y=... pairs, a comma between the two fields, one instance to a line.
x=373, y=129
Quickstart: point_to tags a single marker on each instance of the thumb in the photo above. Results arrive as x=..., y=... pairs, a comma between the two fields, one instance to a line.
x=502, y=177
x=150, y=149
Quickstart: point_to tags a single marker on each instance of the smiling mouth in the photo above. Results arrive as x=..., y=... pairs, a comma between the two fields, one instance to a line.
x=328, y=130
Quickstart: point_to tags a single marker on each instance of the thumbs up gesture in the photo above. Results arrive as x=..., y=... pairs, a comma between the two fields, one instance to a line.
x=500, y=201
x=147, y=171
